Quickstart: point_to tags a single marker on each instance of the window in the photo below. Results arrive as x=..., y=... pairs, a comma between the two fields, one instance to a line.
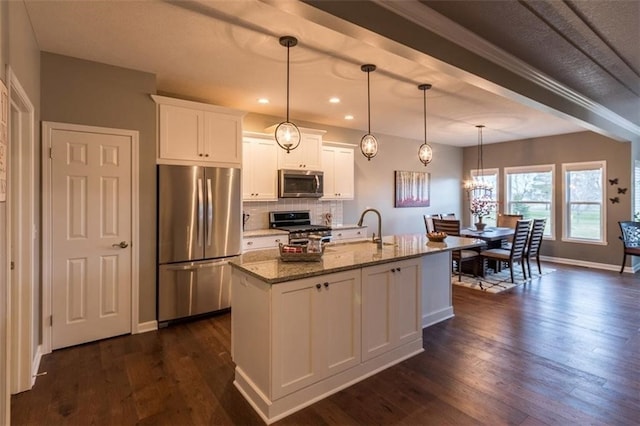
x=529, y=192
x=489, y=176
x=584, y=202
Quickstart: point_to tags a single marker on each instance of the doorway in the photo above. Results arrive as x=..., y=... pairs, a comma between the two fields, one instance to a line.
x=90, y=267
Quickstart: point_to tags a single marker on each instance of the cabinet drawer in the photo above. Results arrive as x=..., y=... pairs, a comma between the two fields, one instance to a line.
x=258, y=243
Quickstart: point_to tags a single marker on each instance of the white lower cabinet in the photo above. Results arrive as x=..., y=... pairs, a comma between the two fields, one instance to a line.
x=316, y=326
x=391, y=306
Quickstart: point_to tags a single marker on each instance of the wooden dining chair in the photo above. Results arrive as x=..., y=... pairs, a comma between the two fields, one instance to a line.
x=630, y=237
x=516, y=253
x=428, y=221
x=534, y=243
x=507, y=220
x=448, y=216
x=452, y=227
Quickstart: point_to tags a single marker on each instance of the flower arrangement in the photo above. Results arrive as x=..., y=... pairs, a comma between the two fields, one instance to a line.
x=482, y=206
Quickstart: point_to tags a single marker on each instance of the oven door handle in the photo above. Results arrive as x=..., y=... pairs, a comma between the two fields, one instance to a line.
x=317, y=184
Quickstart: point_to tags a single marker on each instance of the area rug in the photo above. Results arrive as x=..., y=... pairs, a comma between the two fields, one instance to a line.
x=499, y=281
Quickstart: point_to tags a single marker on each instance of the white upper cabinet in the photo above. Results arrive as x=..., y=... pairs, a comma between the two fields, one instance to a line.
x=337, y=165
x=307, y=156
x=259, y=168
x=197, y=133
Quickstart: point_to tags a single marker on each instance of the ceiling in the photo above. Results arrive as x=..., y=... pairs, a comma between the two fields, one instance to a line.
x=227, y=53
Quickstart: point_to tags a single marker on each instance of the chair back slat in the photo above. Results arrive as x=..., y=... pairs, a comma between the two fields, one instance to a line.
x=428, y=221
x=451, y=227
x=519, y=239
x=535, y=238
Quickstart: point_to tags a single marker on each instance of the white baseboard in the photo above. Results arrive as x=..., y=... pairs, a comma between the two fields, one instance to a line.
x=144, y=327
x=585, y=264
x=436, y=317
x=35, y=365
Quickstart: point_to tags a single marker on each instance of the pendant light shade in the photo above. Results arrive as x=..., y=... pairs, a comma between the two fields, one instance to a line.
x=425, y=153
x=368, y=143
x=287, y=133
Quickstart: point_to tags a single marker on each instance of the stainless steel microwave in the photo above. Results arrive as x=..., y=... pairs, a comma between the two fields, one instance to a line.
x=300, y=183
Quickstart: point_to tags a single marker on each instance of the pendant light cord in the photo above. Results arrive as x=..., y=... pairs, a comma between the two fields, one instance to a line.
x=480, y=160
x=368, y=103
x=288, y=48
x=424, y=92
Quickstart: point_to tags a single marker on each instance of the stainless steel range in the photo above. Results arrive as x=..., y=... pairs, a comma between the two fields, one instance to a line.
x=298, y=224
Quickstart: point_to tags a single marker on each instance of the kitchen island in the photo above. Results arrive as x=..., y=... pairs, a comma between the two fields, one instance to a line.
x=304, y=330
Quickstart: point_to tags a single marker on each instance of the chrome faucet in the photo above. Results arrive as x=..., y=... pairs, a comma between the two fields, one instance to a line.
x=373, y=238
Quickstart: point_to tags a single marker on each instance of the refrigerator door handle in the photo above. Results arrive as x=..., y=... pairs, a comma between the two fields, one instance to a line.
x=200, y=212
x=209, y=212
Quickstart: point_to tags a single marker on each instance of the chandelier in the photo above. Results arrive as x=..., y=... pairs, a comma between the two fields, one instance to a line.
x=477, y=187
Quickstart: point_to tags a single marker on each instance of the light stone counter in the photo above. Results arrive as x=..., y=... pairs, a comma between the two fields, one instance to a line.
x=267, y=266
x=346, y=226
x=263, y=233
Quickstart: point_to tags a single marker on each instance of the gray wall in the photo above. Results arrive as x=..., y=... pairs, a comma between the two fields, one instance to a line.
x=83, y=92
x=374, y=180
x=575, y=147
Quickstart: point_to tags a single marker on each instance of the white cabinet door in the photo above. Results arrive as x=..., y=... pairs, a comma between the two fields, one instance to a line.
x=181, y=133
x=338, y=168
x=391, y=300
x=260, y=243
x=316, y=330
x=259, y=169
x=222, y=136
x=307, y=156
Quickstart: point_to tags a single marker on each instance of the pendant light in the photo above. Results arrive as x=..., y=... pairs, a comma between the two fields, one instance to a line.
x=368, y=143
x=425, y=153
x=287, y=133
x=478, y=188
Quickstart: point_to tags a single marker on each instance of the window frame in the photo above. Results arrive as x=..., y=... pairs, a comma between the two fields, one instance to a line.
x=495, y=193
x=552, y=202
x=566, y=215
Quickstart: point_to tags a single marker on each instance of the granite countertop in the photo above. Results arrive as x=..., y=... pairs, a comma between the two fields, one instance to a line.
x=263, y=233
x=267, y=266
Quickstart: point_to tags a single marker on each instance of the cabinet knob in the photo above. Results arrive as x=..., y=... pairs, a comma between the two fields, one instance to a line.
x=200, y=155
x=206, y=155
x=278, y=240
x=318, y=286
x=249, y=243
x=326, y=285
x=398, y=269
x=393, y=269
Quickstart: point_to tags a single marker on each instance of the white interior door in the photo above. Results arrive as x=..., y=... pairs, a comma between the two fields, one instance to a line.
x=91, y=236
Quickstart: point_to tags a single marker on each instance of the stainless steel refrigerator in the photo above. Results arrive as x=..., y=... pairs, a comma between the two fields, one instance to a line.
x=199, y=231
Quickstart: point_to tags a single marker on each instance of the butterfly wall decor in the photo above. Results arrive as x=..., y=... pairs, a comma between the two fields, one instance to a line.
x=614, y=200
x=613, y=181
x=622, y=190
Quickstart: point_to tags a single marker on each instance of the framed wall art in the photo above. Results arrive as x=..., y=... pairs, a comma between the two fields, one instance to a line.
x=411, y=189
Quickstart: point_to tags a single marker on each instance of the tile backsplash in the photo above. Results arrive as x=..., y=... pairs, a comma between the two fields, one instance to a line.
x=259, y=211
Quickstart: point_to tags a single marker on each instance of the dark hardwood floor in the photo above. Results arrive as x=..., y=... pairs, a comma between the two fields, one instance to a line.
x=563, y=349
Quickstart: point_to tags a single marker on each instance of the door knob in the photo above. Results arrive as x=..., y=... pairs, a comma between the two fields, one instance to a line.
x=121, y=244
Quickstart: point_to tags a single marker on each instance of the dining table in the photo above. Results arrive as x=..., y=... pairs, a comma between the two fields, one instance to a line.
x=493, y=237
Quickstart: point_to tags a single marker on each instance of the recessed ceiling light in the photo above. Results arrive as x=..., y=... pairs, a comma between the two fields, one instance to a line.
x=334, y=100
x=263, y=100
x=348, y=117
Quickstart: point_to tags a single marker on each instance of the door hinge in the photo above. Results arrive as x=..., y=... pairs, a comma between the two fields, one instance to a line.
x=13, y=265
x=51, y=320
x=51, y=153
